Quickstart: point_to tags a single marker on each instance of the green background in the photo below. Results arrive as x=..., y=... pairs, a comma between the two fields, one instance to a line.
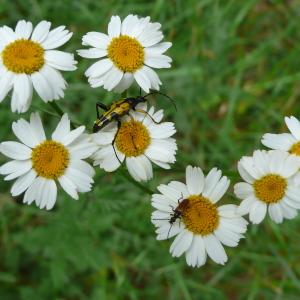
x=235, y=75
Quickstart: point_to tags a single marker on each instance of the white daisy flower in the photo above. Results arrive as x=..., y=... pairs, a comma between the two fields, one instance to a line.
x=269, y=185
x=129, y=52
x=38, y=163
x=139, y=141
x=189, y=212
x=27, y=61
x=289, y=142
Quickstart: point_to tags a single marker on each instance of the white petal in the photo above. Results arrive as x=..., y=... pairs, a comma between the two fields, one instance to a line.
x=181, y=187
x=6, y=83
x=159, y=48
x=48, y=195
x=41, y=31
x=15, y=167
x=23, y=29
x=114, y=26
x=82, y=150
x=162, y=130
x=162, y=150
x=244, y=174
x=246, y=205
x=15, y=150
x=31, y=193
x=56, y=38
x=72, y=135
x=96, y=39
x=139, y=168
x=288, y=212
x=37, y=127
x=23, y=90
x=82, y=180
x=194, y=180
x=243, y=190
x=22, y=183
x=291, y=166
x=211, y=179
x=99, y=68
x=83, y=167
x=220, y=189
x=92, y=53
x=108, y=159
x=258, y=212
x=282, y=141
x=152, y=77
x=275, y=213
x=215, y=249
x=60, y=60
x=112, y=78
x=125, y=83
x=142, y=80
x=294, y=126
x=62, y=128
x=158, y=61
x=196, y=254
x=42, y=87
x=24, y=133
x=171, y=192
x=181, y=243
x=128, y=24
x=68, y=186
x=168, y=230
x=55, y=81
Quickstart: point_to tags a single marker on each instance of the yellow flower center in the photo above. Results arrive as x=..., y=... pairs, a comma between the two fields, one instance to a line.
x=23, y=56
x=295, y=149
x=50, y=159
x=133, y=138
x=200, y=215
x=126, y=53
x=270, y=188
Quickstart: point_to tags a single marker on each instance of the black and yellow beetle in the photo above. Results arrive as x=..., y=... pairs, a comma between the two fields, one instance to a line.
x=119, y=109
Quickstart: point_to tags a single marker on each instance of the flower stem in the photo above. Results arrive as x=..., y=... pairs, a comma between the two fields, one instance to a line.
x=57, y=109
x=137, y=184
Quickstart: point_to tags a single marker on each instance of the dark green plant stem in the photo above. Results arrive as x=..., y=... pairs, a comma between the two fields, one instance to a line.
x=137, y=184
x=56, y=108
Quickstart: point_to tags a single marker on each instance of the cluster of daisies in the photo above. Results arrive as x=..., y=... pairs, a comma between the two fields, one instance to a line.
x=127, y=54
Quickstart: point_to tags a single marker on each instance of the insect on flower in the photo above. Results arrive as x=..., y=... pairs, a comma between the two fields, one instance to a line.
x=119, y=109
x=177, y=212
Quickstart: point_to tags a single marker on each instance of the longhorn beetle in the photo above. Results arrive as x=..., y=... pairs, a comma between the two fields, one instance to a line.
x=119, y=109
x=177, y=212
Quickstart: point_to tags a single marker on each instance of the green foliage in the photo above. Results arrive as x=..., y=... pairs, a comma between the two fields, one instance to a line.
x=235, y=75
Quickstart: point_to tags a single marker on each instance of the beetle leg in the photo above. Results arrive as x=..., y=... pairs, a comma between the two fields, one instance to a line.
x=100, y=105
x=169, y=231
x=113, y=141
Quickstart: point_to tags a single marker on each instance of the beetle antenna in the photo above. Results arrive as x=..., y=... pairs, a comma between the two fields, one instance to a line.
x=165, y=95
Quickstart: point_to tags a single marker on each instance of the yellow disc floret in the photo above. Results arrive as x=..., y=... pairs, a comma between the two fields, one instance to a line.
x=23, y=56
x=295, y=149
x=50, y=159
x=200, y=216
x=133, y=138
x=126, y=53
x=270, y=188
